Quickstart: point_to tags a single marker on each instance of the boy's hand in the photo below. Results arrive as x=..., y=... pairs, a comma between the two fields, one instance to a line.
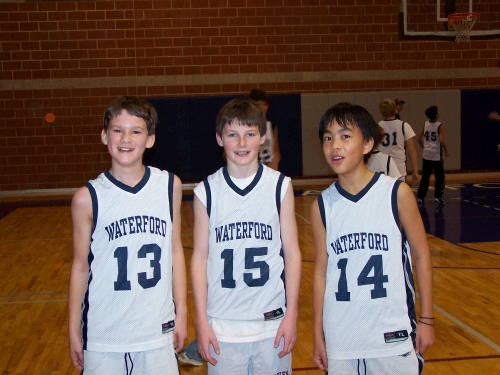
x=414, y=176
x=319, y=355
x=287, y=330
x=205, y=338
x=180, y=333
x=425, y=337
x=76, y=352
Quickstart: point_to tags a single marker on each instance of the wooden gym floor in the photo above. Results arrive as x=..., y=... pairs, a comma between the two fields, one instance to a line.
x=35, y=248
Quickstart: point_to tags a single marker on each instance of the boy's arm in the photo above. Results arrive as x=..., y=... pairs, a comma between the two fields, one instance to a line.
x=276, y=151
x=319, y=286
x=293, y=265
x=420, y=137
x=441, y=140
x=81, y=213
x=411, y=222
x=412, y=154
x=179, y=288
x=205, y=333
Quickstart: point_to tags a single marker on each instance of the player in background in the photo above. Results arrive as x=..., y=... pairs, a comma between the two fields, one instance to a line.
x=246, y=261
x=269, y=153
x=127, y=291
x=398, y=140
x=431, y=139
x=380, y=162
x=400, y=105
x=363, y=292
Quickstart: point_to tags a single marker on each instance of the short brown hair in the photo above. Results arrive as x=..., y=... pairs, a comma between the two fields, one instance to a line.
x=387, y=108
x=135, y=107
x=244, y=111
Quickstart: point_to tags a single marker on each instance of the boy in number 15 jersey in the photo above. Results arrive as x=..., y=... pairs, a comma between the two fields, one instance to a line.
x=246, y=260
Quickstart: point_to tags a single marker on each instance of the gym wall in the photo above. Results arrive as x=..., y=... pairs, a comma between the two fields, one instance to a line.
x=71, y=58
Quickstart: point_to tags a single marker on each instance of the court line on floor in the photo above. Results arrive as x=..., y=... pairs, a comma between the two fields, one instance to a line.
x=36, y=301
x=32, y=294
x=303, y=218
x=476, y=250
x=462, y=358
x=467, y=328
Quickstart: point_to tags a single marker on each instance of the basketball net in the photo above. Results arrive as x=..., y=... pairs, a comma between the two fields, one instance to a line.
x=462, y=23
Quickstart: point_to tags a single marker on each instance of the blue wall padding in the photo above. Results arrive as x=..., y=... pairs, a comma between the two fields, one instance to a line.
x=480, y=136
x=185, y=135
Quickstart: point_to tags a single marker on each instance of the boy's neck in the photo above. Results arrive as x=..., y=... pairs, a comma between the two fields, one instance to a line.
x=128, y=176
x=390, y=118
x=240, y=171
x=356, y=180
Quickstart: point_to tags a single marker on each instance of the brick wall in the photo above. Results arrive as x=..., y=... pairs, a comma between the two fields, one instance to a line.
x=72, y=57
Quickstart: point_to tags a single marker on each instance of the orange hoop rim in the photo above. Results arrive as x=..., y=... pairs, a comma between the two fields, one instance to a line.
x=461, y=16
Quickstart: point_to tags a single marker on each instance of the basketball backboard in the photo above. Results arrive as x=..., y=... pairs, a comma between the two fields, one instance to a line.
x=428, y=19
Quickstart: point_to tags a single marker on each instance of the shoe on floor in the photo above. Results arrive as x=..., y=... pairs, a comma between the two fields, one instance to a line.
x=183, y=357
x=440, y=201
x=420, y=202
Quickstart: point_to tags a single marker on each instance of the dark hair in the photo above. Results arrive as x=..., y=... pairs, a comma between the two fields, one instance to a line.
x=347, y=114
x=241, y=110
x=135, y=107
x=259, y=95
x=432, y=112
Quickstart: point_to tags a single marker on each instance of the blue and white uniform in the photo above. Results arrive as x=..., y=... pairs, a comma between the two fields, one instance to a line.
x=397, y=132
x=266, y=151
x=245, y=267
x=369, y=302
x=128, y=306
x=383, y=163
x=432, y=145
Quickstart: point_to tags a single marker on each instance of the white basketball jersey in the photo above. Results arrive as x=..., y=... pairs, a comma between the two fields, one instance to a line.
x=266, y=151
x=369, y=303
x=397, y=132
x=245, y=268
x=432, y=146
x=383, y=163
x=128, y=305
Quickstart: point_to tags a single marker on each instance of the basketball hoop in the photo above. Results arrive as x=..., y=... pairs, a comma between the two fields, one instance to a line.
x=462, y=23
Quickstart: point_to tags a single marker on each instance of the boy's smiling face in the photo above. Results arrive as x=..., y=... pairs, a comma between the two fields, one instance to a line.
x=241, y=143
x=344, y=147
x=127, y=138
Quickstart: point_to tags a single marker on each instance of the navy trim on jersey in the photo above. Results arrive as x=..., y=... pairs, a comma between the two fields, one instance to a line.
x=361, y=194
x=321, y=206
x=394, y=202
x=388, y=165
x=85, y=304
x=421, y=362
x=278, y=193
x=171, y=195
x=90, y=258
x=130, y=189
x=95, y=210
x=209, y=196
x=406, y=263
x=249, y=188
